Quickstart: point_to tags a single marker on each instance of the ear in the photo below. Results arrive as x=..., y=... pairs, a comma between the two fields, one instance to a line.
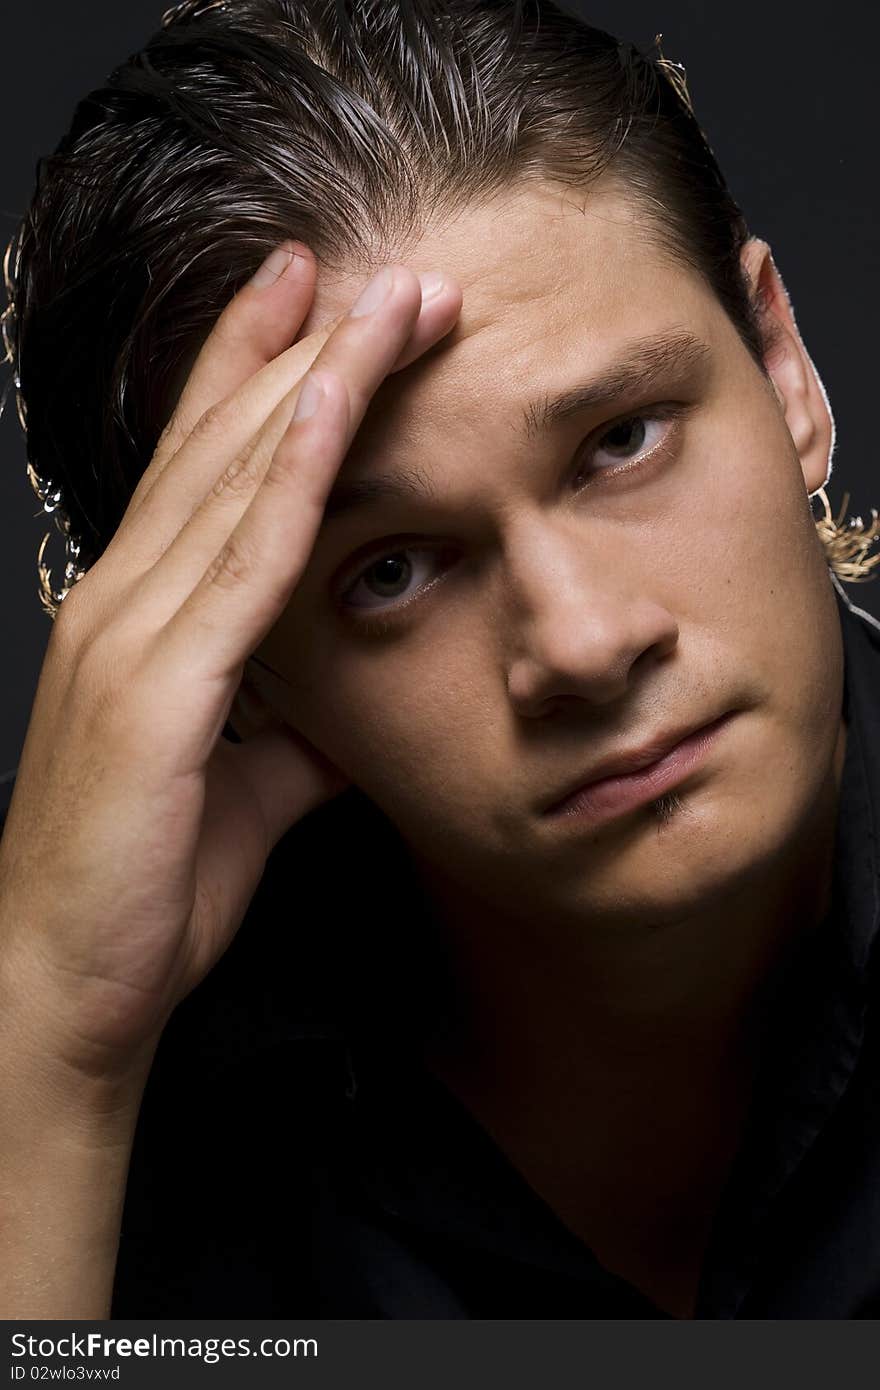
x=799, y=390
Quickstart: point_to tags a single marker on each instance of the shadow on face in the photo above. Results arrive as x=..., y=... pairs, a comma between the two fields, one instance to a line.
x=601, y=532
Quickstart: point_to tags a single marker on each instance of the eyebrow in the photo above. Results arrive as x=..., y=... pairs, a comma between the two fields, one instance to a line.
x=672, y=354
x=637, y=368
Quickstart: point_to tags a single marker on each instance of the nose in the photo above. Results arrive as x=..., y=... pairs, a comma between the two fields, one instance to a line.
x=582, y=623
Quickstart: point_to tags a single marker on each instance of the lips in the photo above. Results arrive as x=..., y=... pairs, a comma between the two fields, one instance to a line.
x=631, y=760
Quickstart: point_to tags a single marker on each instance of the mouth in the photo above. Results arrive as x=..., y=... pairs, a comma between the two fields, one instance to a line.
x=630, y=779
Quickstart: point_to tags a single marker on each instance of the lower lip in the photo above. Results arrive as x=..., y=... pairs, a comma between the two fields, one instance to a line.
x=613, y=796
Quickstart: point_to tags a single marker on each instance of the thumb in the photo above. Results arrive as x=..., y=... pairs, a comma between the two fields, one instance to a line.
x=287, y=774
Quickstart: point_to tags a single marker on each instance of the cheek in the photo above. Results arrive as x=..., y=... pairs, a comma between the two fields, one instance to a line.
x=404, y=719
x=742, y=543
x=396, y=723
x=761, y=590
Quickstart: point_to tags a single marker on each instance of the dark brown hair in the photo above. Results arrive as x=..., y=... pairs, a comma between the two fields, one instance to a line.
x=337, y=122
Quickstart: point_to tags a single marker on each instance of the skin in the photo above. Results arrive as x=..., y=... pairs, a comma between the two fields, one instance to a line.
x=136, y=836
x=608, y=978
x=608, y=982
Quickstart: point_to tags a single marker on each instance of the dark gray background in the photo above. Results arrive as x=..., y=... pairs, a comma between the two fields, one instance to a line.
x=789, y=108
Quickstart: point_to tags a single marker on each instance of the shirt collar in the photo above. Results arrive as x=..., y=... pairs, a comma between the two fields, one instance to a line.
x=418, y=1155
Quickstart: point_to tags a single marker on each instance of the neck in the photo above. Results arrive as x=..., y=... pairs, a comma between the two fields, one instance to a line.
x=615, y=1069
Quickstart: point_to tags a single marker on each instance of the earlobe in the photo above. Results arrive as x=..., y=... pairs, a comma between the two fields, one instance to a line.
x=796, y=383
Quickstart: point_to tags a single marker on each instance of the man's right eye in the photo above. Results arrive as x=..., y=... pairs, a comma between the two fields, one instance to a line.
x=394, y=579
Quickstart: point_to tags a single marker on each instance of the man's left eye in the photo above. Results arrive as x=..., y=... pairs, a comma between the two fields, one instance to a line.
x=633, y=438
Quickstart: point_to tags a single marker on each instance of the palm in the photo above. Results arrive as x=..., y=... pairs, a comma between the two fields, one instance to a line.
x=254, y=792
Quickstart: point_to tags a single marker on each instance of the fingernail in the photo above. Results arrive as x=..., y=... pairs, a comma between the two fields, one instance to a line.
x=432, y=284
x=375, y=292
x=273, y=267
x=311, y=393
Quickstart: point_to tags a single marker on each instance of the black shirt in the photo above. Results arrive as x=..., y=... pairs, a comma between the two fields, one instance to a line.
x=294, y=1159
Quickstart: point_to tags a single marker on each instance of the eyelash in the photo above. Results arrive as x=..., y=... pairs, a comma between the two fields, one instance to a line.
x=671, y=411
x=382, y=620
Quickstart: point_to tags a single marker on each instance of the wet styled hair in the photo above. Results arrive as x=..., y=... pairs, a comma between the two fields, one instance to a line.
x=339, y=123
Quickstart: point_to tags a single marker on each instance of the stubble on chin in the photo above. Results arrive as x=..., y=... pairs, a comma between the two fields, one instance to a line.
x=664, y=808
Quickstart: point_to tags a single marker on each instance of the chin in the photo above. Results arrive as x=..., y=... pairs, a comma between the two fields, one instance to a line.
x=685, y=853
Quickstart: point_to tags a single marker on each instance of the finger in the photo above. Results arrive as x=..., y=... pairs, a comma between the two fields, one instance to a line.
x=224, y=440
x=256, y=325
x=359, y=353
x=247, y=584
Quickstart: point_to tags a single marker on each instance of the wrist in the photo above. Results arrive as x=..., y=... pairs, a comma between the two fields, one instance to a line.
x=49, y=1074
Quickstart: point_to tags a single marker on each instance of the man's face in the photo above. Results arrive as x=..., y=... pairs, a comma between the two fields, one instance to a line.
x=470, y=649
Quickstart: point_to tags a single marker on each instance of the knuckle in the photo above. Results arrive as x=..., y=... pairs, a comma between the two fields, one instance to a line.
x=102, y=679
x=99, y=671
x=101, y=654
x=213, y=423
x=171, y=439
x=231, y=567
x=243, y=473
x=67, y=624
x=73, y=619
x=283, y=463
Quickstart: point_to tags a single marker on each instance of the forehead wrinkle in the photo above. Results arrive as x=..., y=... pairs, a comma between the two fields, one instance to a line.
x=638, y=364
x=511, y=295
x=513, y=318
x=432, y=386
x=503, y=342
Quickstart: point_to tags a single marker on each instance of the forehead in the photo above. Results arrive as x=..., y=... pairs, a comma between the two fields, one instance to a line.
x=555, y=282
x=537, y=249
